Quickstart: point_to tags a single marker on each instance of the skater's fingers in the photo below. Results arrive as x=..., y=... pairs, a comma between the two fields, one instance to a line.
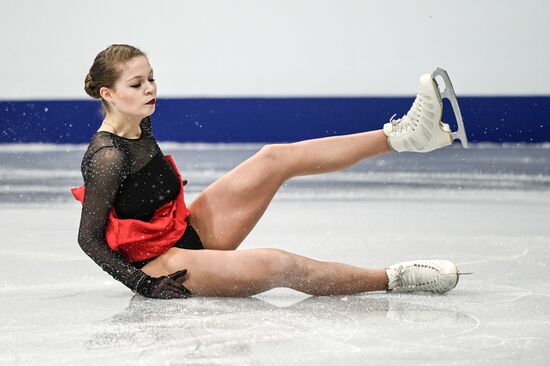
x=177, y=275
x=179, y=294
x=175, y=286
x=180, y=288
x=169, y=293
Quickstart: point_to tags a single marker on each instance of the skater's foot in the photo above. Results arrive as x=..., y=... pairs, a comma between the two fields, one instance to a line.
x=421, y=129
x=435, y=275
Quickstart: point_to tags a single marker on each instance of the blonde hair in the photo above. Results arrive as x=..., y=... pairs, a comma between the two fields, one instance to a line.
x=106, y=70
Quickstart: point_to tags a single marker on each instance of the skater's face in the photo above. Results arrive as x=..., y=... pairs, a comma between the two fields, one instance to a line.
x=134, y=90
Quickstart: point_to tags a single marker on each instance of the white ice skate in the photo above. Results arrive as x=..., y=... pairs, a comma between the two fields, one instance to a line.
x=421, y=129
x=434, y=275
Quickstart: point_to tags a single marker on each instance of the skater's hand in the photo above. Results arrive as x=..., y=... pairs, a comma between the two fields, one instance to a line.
x=165, y=287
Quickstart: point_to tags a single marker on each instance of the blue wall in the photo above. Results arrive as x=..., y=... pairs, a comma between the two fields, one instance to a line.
x=491, y=119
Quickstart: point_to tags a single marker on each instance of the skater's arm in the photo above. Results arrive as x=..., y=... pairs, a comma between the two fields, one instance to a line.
x=104, y=173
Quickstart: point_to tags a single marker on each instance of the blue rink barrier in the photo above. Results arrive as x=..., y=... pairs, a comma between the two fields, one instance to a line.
x=240, y=120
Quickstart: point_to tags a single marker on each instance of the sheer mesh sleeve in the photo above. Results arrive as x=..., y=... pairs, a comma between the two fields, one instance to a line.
x=103, y=173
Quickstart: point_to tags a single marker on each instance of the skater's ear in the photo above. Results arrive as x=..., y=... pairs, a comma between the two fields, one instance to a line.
x=106, y=94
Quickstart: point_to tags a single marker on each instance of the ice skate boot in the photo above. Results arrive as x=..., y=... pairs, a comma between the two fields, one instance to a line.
x=421, y=129
x=434, y=275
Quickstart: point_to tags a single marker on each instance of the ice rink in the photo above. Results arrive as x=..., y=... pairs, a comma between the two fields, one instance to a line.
x=486, y=208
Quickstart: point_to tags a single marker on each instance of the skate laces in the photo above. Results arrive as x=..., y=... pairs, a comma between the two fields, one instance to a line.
x=408, y=120
x=397, y=281
x=414, y=276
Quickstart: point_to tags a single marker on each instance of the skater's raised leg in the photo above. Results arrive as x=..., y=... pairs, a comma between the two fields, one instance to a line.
x=225, y=212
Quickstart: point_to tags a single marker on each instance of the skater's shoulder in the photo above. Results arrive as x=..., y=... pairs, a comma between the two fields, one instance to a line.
x=101, y=141
x=104, y=150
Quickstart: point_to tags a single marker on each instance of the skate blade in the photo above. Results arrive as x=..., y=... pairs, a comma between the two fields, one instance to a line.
x=458, y=274
x=449, y=93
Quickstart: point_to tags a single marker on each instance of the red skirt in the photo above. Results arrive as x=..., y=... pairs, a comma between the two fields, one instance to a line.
x=139, y=240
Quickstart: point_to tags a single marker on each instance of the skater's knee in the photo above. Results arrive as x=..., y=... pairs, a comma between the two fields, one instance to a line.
x=272, y=152
x=278, y=264
x=277, y=158
x=280, y=157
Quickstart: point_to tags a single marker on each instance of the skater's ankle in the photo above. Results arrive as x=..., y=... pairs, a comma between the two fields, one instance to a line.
x=387, y=279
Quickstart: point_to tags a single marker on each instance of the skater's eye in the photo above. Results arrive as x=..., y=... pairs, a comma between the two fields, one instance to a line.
x=138, y=85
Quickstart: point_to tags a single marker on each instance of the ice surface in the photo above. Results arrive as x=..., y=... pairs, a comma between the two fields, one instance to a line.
x=486, y=208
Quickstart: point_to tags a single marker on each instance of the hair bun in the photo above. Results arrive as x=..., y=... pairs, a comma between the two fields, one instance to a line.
x=90, y=87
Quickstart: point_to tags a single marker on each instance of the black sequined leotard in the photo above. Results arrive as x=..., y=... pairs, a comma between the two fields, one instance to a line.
x=130, y=175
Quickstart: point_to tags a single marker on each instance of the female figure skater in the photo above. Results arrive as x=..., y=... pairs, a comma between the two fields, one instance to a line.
x=135, y=224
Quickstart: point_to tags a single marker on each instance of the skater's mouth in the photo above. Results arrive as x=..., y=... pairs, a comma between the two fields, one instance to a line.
x=152, y=101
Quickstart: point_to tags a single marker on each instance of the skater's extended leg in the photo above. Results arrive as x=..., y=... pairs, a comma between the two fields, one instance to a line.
x=228, y=209
x=333, y=153
x=251, y=271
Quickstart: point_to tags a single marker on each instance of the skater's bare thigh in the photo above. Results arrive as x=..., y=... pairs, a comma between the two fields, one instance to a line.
x=225, y=213
x=223, y=273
